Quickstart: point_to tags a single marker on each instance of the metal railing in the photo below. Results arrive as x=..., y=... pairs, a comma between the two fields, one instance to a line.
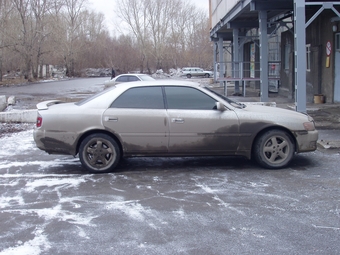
x=249, y=71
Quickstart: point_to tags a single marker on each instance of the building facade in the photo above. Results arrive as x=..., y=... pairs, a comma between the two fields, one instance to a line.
x=291, y=47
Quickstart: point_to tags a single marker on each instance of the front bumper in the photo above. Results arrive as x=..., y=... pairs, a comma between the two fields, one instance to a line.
x=306, y=140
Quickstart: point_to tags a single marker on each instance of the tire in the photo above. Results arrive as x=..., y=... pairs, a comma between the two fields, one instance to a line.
x=274, y=149
x=206, y=75
x=188, y=75
x=99, y=153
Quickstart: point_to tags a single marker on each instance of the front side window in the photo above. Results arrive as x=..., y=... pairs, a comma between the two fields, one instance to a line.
x=188, y=98
x=140, y=98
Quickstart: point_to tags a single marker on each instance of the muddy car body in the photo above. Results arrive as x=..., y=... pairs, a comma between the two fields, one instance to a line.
x=170, y=118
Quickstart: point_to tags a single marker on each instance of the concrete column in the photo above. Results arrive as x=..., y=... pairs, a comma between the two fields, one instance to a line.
x=221, y=59
x=300, y=55
x=215, y=60
x=263, y=56
x=236, y=60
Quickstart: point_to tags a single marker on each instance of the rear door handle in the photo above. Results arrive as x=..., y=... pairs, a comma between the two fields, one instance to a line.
x=177, y=120
x=111, y=119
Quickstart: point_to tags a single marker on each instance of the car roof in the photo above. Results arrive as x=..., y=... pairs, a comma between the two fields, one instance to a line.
x=159, y=82
x=132, y=74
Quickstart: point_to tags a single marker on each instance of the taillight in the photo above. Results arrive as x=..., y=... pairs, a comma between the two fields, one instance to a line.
x=39, y=120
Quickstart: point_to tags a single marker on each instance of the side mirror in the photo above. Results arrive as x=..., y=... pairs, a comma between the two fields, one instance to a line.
x=220, y=106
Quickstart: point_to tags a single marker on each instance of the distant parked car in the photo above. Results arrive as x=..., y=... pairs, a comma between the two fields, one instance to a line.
x=170, y=118
x=128, y=78
x=195, y=71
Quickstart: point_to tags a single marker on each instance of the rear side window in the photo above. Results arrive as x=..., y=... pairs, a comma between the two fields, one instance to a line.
x=133, y=78
x=140, y=98
x=188, y=98
x=122, y=79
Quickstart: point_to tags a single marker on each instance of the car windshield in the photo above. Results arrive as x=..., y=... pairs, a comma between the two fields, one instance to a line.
x=146, y=78
x=232, y=102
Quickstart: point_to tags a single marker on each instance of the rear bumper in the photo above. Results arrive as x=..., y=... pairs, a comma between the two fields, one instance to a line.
x=52, y=143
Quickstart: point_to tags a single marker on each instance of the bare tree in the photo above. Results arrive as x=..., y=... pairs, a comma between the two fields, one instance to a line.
x=167, y=31
x=40, y=10
x=5, y=10
x=162, y=34
x=23, y=40
x=160, y=14
x=72, y=44
x=134, y=14
x=181, y=28
x=199, y=47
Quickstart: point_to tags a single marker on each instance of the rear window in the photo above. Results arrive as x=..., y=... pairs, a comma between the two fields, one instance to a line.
x=88, y=99
x=146, y=78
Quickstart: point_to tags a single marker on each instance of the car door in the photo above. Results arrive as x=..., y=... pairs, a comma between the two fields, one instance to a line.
x=200, y=72
x=138, y=118
x=194, y=72
x=196, y=126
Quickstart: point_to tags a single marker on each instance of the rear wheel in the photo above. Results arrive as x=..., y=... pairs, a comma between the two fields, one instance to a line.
x=99, y=153
x=274, y=149
x=189, y=75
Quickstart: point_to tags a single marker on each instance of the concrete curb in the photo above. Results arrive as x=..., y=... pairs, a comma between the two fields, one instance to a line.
x=3, y=102
x=322, y=144
x=16, y=116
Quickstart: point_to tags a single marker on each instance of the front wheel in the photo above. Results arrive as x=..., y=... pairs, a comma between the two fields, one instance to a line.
x=274, y=149
x=206, y=75
x=189, y=75
x=99, y=153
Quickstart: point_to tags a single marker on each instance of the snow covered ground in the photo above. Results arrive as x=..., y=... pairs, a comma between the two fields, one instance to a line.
x=203, y=205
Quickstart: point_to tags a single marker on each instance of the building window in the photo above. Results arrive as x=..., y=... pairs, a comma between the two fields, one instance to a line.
x=308, y=53
x=287, y=54
x=337, y=42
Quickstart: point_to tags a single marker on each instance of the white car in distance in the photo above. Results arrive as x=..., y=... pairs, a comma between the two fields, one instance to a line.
x=127, y=78
x=195, y=71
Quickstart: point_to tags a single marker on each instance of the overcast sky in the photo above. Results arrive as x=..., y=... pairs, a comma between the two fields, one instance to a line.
x=107, y=8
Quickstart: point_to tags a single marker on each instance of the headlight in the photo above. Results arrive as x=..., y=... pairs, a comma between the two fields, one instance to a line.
x=309, y=126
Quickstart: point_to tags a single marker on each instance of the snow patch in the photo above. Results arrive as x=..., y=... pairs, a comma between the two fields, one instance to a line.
x=36, y=246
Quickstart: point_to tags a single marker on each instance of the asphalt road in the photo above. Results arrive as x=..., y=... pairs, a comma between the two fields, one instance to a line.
x=28, y=95
x=199, y=205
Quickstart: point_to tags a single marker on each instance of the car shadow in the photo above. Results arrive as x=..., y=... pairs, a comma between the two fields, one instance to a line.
x=225, y=163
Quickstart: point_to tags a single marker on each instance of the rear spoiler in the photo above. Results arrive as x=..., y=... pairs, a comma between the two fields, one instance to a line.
x=44, y=105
